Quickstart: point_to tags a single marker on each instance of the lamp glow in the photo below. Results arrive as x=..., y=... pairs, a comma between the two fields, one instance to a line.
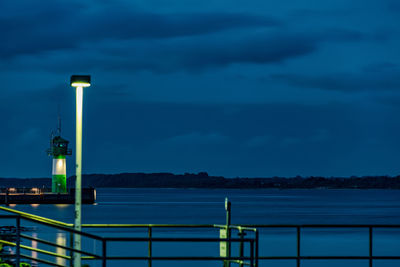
x=79, y=84
x=80, y=80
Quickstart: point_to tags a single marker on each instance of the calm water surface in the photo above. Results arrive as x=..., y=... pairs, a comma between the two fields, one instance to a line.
x=262, y=206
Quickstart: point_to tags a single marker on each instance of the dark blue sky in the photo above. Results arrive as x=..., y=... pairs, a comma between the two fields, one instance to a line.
x=233, y=88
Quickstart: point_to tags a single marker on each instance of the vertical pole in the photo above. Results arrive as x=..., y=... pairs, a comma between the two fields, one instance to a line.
x=227, y=263
x=298, y=247
x=257, y=239
x=370, y=246
x=78, y=171
x=150, y=247
x=241, y=246
x=18, y=232
x=104, y=253
x=252, y=253
x=71, y=253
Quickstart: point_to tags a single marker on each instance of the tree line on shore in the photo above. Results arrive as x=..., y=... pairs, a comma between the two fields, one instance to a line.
x=203, y=180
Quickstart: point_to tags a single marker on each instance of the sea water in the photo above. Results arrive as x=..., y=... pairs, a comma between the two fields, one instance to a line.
x=249, y=206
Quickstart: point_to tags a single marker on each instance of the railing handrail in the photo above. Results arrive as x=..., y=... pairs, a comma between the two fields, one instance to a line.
x=67, y=229
x=36, y=217
x=322, y=225
x=18, y=215
x=123, y=225
x=60, y=246
x=178, y=239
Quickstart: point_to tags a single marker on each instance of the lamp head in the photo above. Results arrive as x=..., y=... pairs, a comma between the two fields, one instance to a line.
x=80, y=80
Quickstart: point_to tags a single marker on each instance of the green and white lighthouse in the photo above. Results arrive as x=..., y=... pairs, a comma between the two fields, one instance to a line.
x=59, y=149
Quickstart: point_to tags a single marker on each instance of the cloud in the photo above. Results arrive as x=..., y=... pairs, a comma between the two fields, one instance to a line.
x=182, y=52
x=258, y=141
x=60, y=25
x=197, y=138
x=381, y=67
x=201, y=54
x=120, y=24
x=393, y=6
x=122, y=37
x=171, y=55
x=346, y=82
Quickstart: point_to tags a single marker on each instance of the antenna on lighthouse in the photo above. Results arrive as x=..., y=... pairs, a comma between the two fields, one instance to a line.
x=59, y=122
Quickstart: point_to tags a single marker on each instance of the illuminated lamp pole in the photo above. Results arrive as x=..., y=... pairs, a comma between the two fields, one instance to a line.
x=78, y=81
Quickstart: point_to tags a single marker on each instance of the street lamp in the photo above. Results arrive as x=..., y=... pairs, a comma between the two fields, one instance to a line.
x=78, y=81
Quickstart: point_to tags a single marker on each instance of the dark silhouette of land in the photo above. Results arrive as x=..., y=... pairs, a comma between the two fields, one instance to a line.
x=203, y=180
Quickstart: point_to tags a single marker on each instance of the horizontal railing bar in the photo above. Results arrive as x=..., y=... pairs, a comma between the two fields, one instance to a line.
x=39, y=218
x=43, y=241
x=329, y=257
x=232, y=259
x=41, y=261
x=60, y=246
x=177, y=258
x=386, y=257
x=50, y=222
x=89, y=258
x=8, y=216
x=35, y=249
x=67, y=229
x=347, y=257
x=178, y=239
x=244, y=228
x=323, y=225
x=238, y=227
x=111, y=225
x=240, y=262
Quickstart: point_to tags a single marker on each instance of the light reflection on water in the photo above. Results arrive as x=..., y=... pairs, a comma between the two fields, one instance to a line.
x=34, y=245
x=62, y=241
x=62, y=206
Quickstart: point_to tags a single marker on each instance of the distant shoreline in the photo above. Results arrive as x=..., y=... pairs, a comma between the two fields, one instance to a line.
x=203, y=180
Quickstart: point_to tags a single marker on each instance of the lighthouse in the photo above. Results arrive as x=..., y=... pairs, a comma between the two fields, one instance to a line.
x=58, y=150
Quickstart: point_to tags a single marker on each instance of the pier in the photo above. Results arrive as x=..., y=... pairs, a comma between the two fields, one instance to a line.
x=44, y=196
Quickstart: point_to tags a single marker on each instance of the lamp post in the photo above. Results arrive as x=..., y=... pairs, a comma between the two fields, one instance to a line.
x=79, y=82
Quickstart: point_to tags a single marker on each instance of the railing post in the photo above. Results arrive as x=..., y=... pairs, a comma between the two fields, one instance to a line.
x=150, y=246
x=298, y=247
x=241, y=246
x=71, y=245
x=18, y=233
x=227, y=263
x=257, y=238
x=104, y=258
x=252, y=253
x=370, y=246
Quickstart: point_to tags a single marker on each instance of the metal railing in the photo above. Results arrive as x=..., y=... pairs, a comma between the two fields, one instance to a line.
x=299, y=257
x=240, y=258
x=248, y=259
x=251, y=242
x=50, y=223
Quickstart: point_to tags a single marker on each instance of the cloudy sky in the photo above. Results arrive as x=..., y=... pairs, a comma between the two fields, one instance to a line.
x=234, y=88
